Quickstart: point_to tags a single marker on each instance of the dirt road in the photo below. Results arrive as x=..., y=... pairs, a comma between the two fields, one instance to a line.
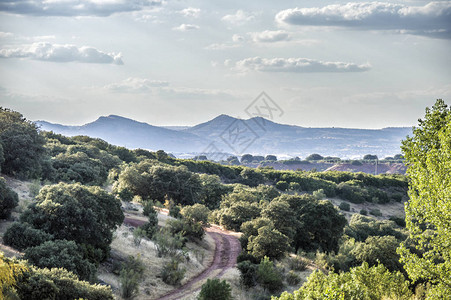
x=227, y=248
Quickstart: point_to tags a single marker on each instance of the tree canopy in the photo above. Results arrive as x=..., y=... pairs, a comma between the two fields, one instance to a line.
x=428, y=212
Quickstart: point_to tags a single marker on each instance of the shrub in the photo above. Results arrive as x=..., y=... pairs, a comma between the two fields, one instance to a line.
x=61, y=254
x=167, y=244
x=214, y=289
x=171, y=273
x=138, y=234
x=197, y=213
x=400, y=221
x=293, y=278
x=248, y=273
x=297, y=263
x=319, y=194
x=375, y=212
x=268, y=276
x=363, y=212
x=174, y=211
x=22, y=236
x=345, y=206
x=282, y=185
x=130, y=276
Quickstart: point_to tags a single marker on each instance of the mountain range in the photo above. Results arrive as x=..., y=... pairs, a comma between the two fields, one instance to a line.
x=227, y=135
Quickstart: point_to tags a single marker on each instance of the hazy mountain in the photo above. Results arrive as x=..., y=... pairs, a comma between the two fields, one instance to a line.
x=132, y=134
x=232, y=135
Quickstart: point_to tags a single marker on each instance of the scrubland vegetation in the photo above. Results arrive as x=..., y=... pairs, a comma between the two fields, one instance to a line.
x=288, y=220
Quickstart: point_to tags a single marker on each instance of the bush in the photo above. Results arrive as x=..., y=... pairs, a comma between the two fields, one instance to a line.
x=375, y=212
x=293, y=278
x=282, y=185
x=8, y=199
x=130, y=276
x=196, y=213
x=174, y=211
x=319, y=194
x=214, y=289
x=22, y=236
x=400, y=221
x=297, y=263
x=248, y=273
x=61, y=254
x=268, y=276
x=363, y=212
x=167, y=244
x=171, y=273
x=345, y=206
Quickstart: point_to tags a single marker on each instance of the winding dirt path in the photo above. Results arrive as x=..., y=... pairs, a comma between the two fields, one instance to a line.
x=227, y=248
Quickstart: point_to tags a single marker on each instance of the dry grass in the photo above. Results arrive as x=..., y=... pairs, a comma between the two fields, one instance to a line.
x=200, y=256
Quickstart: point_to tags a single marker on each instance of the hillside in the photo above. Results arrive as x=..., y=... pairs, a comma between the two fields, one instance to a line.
x=262, y=136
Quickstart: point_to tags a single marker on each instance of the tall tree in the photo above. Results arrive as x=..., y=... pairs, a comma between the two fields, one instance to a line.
x=428, y=212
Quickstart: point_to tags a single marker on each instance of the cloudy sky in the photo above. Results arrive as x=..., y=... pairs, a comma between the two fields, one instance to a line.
x=182, y=62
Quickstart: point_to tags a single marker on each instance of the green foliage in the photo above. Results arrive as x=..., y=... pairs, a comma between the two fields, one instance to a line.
x=214, y=289
x=130, y=277
x=370, y=157
x=154, y=181
x=152, y=216
x=268, y=276
x=428, y=212
x=8, y=199
x=363, y=212
x=167, y=244
x=197, y=213
x=362, y=283
x=297, y=263
x=138, y=234
x=187, y=229
x=251, y=177
x=38, y=284
x=172, y=273
x=375, y=212
x=282, y=185
x=22, y=145
x=212, y=190
x=268, y=242
x=345, y=206
x=319, y=194
x=61, y=254
x=22, y=236
x=293, y=278
x=86, y=215
x=361, y=227
x=248, y=273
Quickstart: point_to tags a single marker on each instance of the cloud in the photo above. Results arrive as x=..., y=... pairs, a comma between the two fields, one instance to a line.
x=430, y=19
x=135, y=85
x=62, y=53
x=295, y=65
x=221, y=46
x=269, y=36
x=190, y=12
x=238, y=38
x=186, y=27
x=239, y=18
x=68, y=8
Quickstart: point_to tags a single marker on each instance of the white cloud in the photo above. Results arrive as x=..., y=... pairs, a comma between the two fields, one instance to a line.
x=190, y=12
x=186, y=27
x=4, y=35
x=238, y=38
x=269, y=36
x=430, y=19
x=295, y=65
x=239, y=18
x=67, y=8
x=62, y=53
x=135, y=85
x=221, y=46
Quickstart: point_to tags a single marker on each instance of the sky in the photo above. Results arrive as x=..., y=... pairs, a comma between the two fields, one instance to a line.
x=323, y=63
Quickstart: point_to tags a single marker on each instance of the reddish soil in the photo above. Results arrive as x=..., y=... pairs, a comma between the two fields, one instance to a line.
x=227, y=248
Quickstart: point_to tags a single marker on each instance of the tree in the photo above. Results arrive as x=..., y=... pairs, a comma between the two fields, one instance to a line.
x=314, y=156
x=8, y=199
x=247, y=158
x=214, y=289
x=271, y=157
x=428, y=212
x=61, y=254
x=196, y=213
x=86, y=215
x=23, y=146
x=370, y=157
x=269, y=242
x=22, y=236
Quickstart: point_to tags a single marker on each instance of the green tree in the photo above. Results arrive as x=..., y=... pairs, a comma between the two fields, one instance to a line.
x=196, y=213
x=269, y=242
x=8, y=199
x=61, y=254
x=214, y=289
x=428, y=212
x=22, y=236
x=314, y=156
x=23, y=146
x=86, y=215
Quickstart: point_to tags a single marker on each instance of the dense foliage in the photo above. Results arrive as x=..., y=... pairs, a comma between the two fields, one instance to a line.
x=8, y=199
x=428, y=212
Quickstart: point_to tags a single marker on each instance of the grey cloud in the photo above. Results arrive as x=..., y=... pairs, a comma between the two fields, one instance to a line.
x=432, y=19
x=74, y=7
x=295, y=65
x=62, y=53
